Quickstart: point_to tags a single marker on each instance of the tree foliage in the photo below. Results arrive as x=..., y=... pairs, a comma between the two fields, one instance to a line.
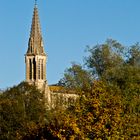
x=21, y=108
x=77, y=78
x=114, y=101
x=105, y=56
x=97, y=116
x=108, y=107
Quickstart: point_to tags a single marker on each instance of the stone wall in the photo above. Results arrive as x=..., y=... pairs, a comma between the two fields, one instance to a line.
x=63, y=100
x=58, y=99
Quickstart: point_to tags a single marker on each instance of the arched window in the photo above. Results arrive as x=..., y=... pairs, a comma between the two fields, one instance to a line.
x=34, y=66
x=30, y=69
x=42, y=69
x=39, y=69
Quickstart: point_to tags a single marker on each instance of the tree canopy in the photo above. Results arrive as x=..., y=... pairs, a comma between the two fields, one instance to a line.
x=115, y=104
x=108, y=108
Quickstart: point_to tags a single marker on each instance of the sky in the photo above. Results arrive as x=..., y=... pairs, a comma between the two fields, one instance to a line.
x=68, y=26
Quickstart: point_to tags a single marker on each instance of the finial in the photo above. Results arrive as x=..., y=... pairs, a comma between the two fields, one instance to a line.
x=35, y=2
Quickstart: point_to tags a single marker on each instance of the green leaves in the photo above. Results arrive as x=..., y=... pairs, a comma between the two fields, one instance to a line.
x=105, y=56
x=19, y=106
x=109, y=106
x=77, y=78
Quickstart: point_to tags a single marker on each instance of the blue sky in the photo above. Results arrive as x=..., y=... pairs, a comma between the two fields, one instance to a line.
x=67, y=27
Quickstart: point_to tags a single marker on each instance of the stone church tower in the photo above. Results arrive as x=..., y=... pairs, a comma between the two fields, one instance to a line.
x=36, y=57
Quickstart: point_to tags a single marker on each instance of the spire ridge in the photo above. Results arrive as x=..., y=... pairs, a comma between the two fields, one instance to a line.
x=35, y=45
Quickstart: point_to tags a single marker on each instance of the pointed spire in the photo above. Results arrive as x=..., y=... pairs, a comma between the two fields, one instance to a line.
x=35, y=45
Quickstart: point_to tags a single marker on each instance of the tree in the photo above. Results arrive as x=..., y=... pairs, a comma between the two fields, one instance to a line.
x=104, y=57
x=134, y=55
x=110, y=108
x=96, y=116
x=21, y=109
x=76, y=78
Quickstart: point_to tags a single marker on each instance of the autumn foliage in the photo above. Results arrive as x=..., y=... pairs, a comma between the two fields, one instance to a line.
x=108, y=107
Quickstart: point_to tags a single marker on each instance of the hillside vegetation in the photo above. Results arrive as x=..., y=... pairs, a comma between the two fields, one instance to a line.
x=108, y=86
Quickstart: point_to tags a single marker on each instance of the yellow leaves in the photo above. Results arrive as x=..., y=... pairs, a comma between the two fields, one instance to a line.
x=98, y=116
x=89, y=116
x=18, y=136
x=56, y=88
x=72, y=138
x=32, y=128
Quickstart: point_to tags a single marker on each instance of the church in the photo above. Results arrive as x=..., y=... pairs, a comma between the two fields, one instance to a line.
x=35, y=59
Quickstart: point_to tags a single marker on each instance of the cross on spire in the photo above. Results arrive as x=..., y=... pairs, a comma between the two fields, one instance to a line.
x=35, y=2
